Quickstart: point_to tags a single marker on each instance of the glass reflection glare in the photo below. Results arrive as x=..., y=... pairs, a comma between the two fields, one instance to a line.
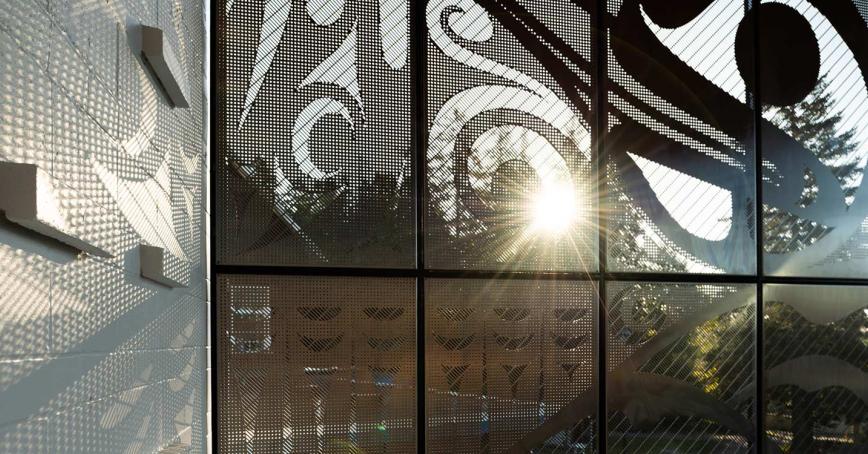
x=554, y=209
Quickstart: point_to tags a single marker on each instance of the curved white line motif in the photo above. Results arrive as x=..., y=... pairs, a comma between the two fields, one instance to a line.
x=293, y=206
x=304, y=124
x=325, y=12
x=394, y=32
x=501, y=144
x=716, y=26
x=444, y=132
x=339, y=69
x=683, y=196
x=850, y=96
x=274, y=17
x=470, y=21
x=845, y=220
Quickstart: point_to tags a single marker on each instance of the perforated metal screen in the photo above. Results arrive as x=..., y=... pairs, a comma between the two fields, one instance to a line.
x=509, y=156
x=681, y=371
x=557, y=226
x=503, y=356
x=317, y=364
x=315, y=165
x=816, y=365
x=680, y=181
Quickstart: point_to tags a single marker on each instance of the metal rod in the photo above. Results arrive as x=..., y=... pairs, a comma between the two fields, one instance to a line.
x=759, y=405
x=418, y=99
x=599, y=128
x=216, y=23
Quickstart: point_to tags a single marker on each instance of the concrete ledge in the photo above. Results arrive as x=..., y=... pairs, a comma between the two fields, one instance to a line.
x=29, y=199
x=165, y=65
x=162, y=267
x=184, y=443
x=175, y=448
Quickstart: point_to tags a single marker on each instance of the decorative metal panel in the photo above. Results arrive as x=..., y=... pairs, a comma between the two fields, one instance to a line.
x=505, y=357
x=813, y=74
x=816, y=368
x=314, y=138
x=316, y=169
x=680, y=362
x=508, y=147
x=317, y=364
x=679, y=151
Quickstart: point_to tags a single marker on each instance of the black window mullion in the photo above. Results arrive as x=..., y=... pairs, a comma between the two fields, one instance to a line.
x=418, y=123
x=759, y=400
x=602, y=276
x=598, y=132
x=216, y=26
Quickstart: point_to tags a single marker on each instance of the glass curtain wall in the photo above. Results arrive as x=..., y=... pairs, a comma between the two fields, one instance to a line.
x=549, y=226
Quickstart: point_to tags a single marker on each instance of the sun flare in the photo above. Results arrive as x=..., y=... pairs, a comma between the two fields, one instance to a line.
x=554, y=209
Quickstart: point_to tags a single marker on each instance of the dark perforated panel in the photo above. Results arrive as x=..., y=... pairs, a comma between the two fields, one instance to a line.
x=315, y=165
x=680, y=144
x=314, y=364
x=509, y=146
x=503, y=357
x=316, y=169
x=816, y=367
x=680, y=364
x=815, y=138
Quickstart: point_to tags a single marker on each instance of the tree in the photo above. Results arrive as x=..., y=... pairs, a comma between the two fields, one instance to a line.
x=813, y=123
x=713, y=357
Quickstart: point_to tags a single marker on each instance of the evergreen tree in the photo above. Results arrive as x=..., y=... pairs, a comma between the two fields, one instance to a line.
x=814, y=124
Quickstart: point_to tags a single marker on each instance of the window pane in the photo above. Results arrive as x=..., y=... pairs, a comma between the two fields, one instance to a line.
x=680, y=144
x=815, y=138
x=316, y=364
x=504, y=360
x=681, y=367
x=315, y=165
x=816, y=367
x=509, y=146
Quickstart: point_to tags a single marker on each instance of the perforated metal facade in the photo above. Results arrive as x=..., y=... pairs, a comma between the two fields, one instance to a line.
x=502, y=356
x=599, y=214
x=316, y=166
x=317, y=364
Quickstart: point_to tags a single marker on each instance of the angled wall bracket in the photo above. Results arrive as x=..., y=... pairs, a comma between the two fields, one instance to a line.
x=29, y=199
x=165, y=65
x=163, y=267
x=175, y=448
x=184, y=443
